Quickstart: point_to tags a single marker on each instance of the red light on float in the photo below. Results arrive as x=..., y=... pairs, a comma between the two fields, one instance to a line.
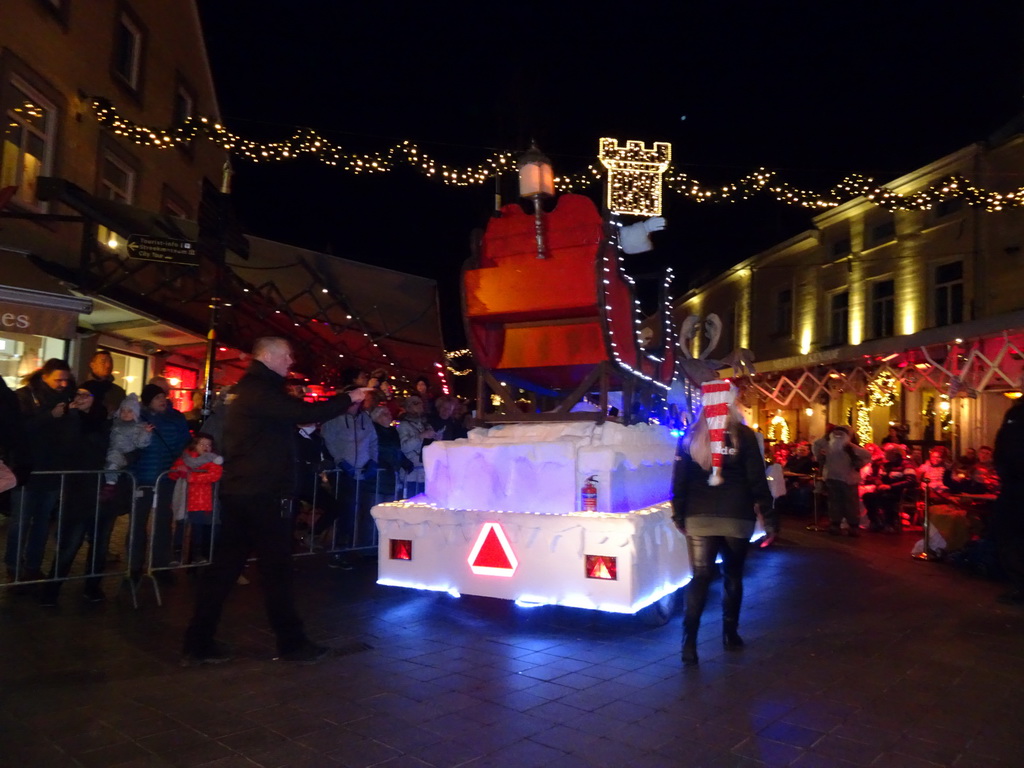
x=492, y=555
x=401, y=549
x=601, y=567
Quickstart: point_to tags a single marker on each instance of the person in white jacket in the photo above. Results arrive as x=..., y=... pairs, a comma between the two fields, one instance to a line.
x=841, y=460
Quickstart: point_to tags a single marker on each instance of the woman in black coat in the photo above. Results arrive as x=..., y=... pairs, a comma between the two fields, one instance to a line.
x=717, y=519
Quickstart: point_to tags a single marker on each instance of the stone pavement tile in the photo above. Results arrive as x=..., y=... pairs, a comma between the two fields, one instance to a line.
x=114, y=754
x=787, y=733
x=767, y=751
x=520, y=701
x=972, y=760
x=686, y=751
x=579, y=681
x=930, y=751
x=811, y=760
x=866, y=733
x=522, y=754
x=811, y=716
x=42, y=754
x=359, y=752
x=856, y=752
x=298, y=725
x=450, y=753
x=253, y=740
x=605, y=752
x=167, y=741
x=564, y=738
x=894, y=760
x=200, y=754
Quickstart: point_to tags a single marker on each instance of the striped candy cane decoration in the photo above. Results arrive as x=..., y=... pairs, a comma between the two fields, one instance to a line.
x=716, y=398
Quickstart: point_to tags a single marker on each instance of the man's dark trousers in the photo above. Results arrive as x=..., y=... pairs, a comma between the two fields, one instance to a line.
x=249, y=524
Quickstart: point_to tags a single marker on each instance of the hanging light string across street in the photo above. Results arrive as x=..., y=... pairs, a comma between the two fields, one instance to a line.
x=307, y=142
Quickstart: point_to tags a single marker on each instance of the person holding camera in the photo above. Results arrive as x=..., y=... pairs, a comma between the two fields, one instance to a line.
x=45, y=402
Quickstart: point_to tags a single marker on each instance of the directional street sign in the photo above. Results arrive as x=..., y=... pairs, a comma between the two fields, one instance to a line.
x=166, y=249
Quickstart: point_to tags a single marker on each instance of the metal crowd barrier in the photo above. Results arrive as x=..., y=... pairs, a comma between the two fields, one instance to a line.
x=84, y=513
x=346, y=501
x=156, y=543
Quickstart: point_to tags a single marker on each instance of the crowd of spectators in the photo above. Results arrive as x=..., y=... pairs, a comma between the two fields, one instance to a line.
x=882, y=487
x=136, y=447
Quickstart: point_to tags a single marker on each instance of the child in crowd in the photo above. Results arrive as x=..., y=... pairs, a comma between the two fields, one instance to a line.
x=127, y=435
x=196, y=471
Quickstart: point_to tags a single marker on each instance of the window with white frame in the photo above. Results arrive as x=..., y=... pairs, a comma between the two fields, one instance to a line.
x=883, y=308
x=29, y=137
x=839, y=318
x=949, y=293
x=117, y=180
x=128, y=39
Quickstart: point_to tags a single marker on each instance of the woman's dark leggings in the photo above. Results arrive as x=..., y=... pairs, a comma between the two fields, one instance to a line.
x=703, y=552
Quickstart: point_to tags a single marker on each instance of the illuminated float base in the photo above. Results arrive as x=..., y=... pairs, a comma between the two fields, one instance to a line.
x=618, y=562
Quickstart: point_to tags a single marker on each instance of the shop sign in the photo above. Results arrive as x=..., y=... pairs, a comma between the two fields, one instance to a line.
x=38, y=321
x=166, y=249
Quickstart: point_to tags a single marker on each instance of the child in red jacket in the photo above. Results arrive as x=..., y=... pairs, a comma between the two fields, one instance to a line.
x=196, y=470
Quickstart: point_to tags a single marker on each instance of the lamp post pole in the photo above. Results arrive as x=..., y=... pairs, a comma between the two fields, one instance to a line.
x=536, y=181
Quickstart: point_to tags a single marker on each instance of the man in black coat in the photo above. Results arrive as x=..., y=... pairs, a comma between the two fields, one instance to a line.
x=256, y=505
x=1008, y=520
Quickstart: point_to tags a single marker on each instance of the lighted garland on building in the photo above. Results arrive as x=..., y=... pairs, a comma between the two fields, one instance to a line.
x=307, y=142
x=778, y=420
x=864, y=422
x=882, y=390
x=455, y=355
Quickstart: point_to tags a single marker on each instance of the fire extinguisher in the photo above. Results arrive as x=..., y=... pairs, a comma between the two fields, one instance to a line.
x=588, y=494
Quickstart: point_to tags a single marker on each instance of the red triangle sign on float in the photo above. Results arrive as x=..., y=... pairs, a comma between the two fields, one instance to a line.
x=492, y=555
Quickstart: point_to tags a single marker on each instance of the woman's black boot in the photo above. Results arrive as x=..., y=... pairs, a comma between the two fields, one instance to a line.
x=689, y=655
x=731, y=639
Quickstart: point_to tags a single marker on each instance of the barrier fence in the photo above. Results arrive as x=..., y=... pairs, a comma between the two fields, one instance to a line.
x=57, y=511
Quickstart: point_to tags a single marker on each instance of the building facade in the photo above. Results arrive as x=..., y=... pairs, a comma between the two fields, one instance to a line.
x=56, y=58
x=79, y=193
x=881, y=315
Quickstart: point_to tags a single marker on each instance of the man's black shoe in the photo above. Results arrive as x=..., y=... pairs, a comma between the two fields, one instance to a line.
x=94, y=595
x=1012, y=598
x=307, y=653
x=217, y=653
x=339, y=560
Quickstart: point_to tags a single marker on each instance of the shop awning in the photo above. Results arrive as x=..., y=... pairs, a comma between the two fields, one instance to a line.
x=965, y=358
x=34, y=302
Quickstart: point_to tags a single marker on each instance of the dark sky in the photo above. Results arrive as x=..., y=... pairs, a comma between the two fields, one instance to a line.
x=815, y=90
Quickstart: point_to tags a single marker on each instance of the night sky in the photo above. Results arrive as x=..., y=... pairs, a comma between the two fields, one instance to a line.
x=815, y=90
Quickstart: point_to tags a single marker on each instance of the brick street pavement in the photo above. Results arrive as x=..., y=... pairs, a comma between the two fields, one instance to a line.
x=857, y=655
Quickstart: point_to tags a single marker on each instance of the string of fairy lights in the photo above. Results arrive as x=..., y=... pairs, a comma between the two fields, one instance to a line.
x=306, y=142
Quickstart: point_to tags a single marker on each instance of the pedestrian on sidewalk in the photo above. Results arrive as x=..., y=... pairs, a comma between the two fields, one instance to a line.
x=256, y=504
x=717, y=518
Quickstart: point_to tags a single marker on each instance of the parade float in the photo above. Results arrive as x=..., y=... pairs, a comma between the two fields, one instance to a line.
x=557, y=505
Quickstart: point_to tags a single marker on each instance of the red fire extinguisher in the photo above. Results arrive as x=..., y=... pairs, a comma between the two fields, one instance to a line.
x=588, y=495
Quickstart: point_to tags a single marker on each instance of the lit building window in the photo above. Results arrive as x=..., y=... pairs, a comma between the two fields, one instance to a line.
x=29, y=138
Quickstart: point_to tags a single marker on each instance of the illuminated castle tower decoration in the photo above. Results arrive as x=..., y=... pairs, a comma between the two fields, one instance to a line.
x=634, y=175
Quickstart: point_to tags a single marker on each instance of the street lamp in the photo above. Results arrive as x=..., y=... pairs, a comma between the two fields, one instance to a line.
x=536, y=181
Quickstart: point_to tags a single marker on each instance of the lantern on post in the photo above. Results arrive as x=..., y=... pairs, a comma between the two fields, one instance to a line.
x=536, y=181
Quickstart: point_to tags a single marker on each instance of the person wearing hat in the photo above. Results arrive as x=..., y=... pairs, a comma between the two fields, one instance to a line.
x=256, y=493
x=718, y=490
x=170, y=435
